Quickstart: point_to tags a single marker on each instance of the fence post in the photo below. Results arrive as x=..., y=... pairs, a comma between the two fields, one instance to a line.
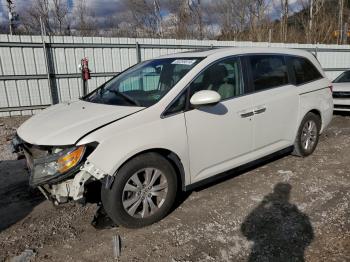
x=138, y=52
x=50, y=69
x=316, y=50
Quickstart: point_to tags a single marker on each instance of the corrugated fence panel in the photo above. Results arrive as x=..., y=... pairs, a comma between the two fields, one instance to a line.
x=34, y=91
x=33, y=68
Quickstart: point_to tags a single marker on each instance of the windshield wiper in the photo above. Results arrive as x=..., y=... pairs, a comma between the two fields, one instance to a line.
x=126, y=97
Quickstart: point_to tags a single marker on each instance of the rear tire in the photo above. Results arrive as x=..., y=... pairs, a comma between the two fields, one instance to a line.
x=307, y=136
x=143, y=191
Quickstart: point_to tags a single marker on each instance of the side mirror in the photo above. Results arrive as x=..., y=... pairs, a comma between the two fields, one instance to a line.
x=205, y=97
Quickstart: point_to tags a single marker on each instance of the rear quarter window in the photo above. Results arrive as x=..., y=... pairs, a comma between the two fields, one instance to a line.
x=303, y=70
x=268, y=71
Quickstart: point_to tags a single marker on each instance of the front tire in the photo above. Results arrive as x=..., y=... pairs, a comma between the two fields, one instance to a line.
x=308, y=135
x=143, y=191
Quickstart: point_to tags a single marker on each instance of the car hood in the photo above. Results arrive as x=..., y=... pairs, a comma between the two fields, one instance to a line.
x=66, y=123
x=341, y=87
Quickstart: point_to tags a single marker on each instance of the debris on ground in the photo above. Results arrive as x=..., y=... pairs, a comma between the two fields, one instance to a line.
x=8, y=127
x=117, y=246
x=101, y=220
x=25, y=256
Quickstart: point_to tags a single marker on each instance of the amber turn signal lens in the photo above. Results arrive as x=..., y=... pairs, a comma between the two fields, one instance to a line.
x=70, y=160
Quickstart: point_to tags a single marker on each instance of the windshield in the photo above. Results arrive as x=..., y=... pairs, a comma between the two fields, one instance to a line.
x=343, y=78
x=144, y=84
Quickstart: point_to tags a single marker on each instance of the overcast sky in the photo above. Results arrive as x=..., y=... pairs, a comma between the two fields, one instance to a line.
x=101, y=8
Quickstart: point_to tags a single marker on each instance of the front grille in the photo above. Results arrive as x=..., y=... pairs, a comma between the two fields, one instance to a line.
x=341, y=94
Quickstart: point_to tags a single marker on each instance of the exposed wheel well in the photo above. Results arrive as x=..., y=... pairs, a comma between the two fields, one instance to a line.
x=317, y=113
x=174, y=160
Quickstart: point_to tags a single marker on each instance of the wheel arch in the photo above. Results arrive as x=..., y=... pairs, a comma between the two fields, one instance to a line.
x=173, y=159
x=299, y=150
x=304, y=112
x=317, y=113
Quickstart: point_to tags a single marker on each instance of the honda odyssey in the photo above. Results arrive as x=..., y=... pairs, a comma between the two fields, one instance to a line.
x=171, y=123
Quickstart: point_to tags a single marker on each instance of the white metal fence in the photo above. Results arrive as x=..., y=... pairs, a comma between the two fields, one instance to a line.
x=36, y=72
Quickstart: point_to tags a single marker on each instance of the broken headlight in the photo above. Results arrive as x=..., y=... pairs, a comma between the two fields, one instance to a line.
x=60, y=162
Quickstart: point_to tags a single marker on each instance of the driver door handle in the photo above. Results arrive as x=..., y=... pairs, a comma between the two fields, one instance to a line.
x=248, y=114
x=260, y=110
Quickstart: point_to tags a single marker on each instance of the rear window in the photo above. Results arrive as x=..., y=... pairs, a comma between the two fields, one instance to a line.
x=268, y=71
x=304, y=71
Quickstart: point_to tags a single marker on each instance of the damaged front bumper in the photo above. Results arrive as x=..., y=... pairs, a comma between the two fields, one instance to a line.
x=61, y=174
x=71, y=189
x=74, y=188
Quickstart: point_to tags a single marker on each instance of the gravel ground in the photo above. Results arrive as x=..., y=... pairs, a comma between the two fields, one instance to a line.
x=291, y=208
x=8, y=127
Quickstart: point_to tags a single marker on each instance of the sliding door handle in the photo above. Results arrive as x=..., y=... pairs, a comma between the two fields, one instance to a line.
x=248, y=114
x=260, y=110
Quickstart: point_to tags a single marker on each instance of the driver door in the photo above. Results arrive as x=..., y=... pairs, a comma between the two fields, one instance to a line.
x=220, y=137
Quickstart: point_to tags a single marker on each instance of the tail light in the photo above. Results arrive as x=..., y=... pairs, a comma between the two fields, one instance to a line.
x=331, y=88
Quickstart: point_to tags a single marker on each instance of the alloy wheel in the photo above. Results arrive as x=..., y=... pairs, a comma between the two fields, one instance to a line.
x=309, y=135
x=145, y=192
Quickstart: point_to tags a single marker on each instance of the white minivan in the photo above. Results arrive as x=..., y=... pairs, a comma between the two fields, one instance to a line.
x=174, y=122
x=341, y=92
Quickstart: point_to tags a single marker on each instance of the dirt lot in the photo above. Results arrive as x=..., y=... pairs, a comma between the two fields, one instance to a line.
x=292, y=207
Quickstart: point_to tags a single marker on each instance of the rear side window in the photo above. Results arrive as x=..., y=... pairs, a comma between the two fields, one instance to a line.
x=304, y=71
x=268, y=71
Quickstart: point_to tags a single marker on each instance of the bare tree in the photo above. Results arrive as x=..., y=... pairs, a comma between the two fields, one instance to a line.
x=34, y=14
x=259, y=19
x=51, y=17
x=196, y=9
x=145, y=17
x=190, y=18
x=59, y=15
x=306, y=21
x=233, y=19
x=284, y=7
x=318, y=19
x=315, y=8
x=159, y=17
x=183, y=26
x=245, y=20
x=84, y=21
x=340, y=22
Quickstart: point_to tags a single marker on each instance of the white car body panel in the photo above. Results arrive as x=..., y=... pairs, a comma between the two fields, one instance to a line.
x=341, y=87
x=278, y=103
x=319, y=100
x=65, y=123
x=119, y=142
x=343, y=103
x=218, y=137
x=207, y=141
